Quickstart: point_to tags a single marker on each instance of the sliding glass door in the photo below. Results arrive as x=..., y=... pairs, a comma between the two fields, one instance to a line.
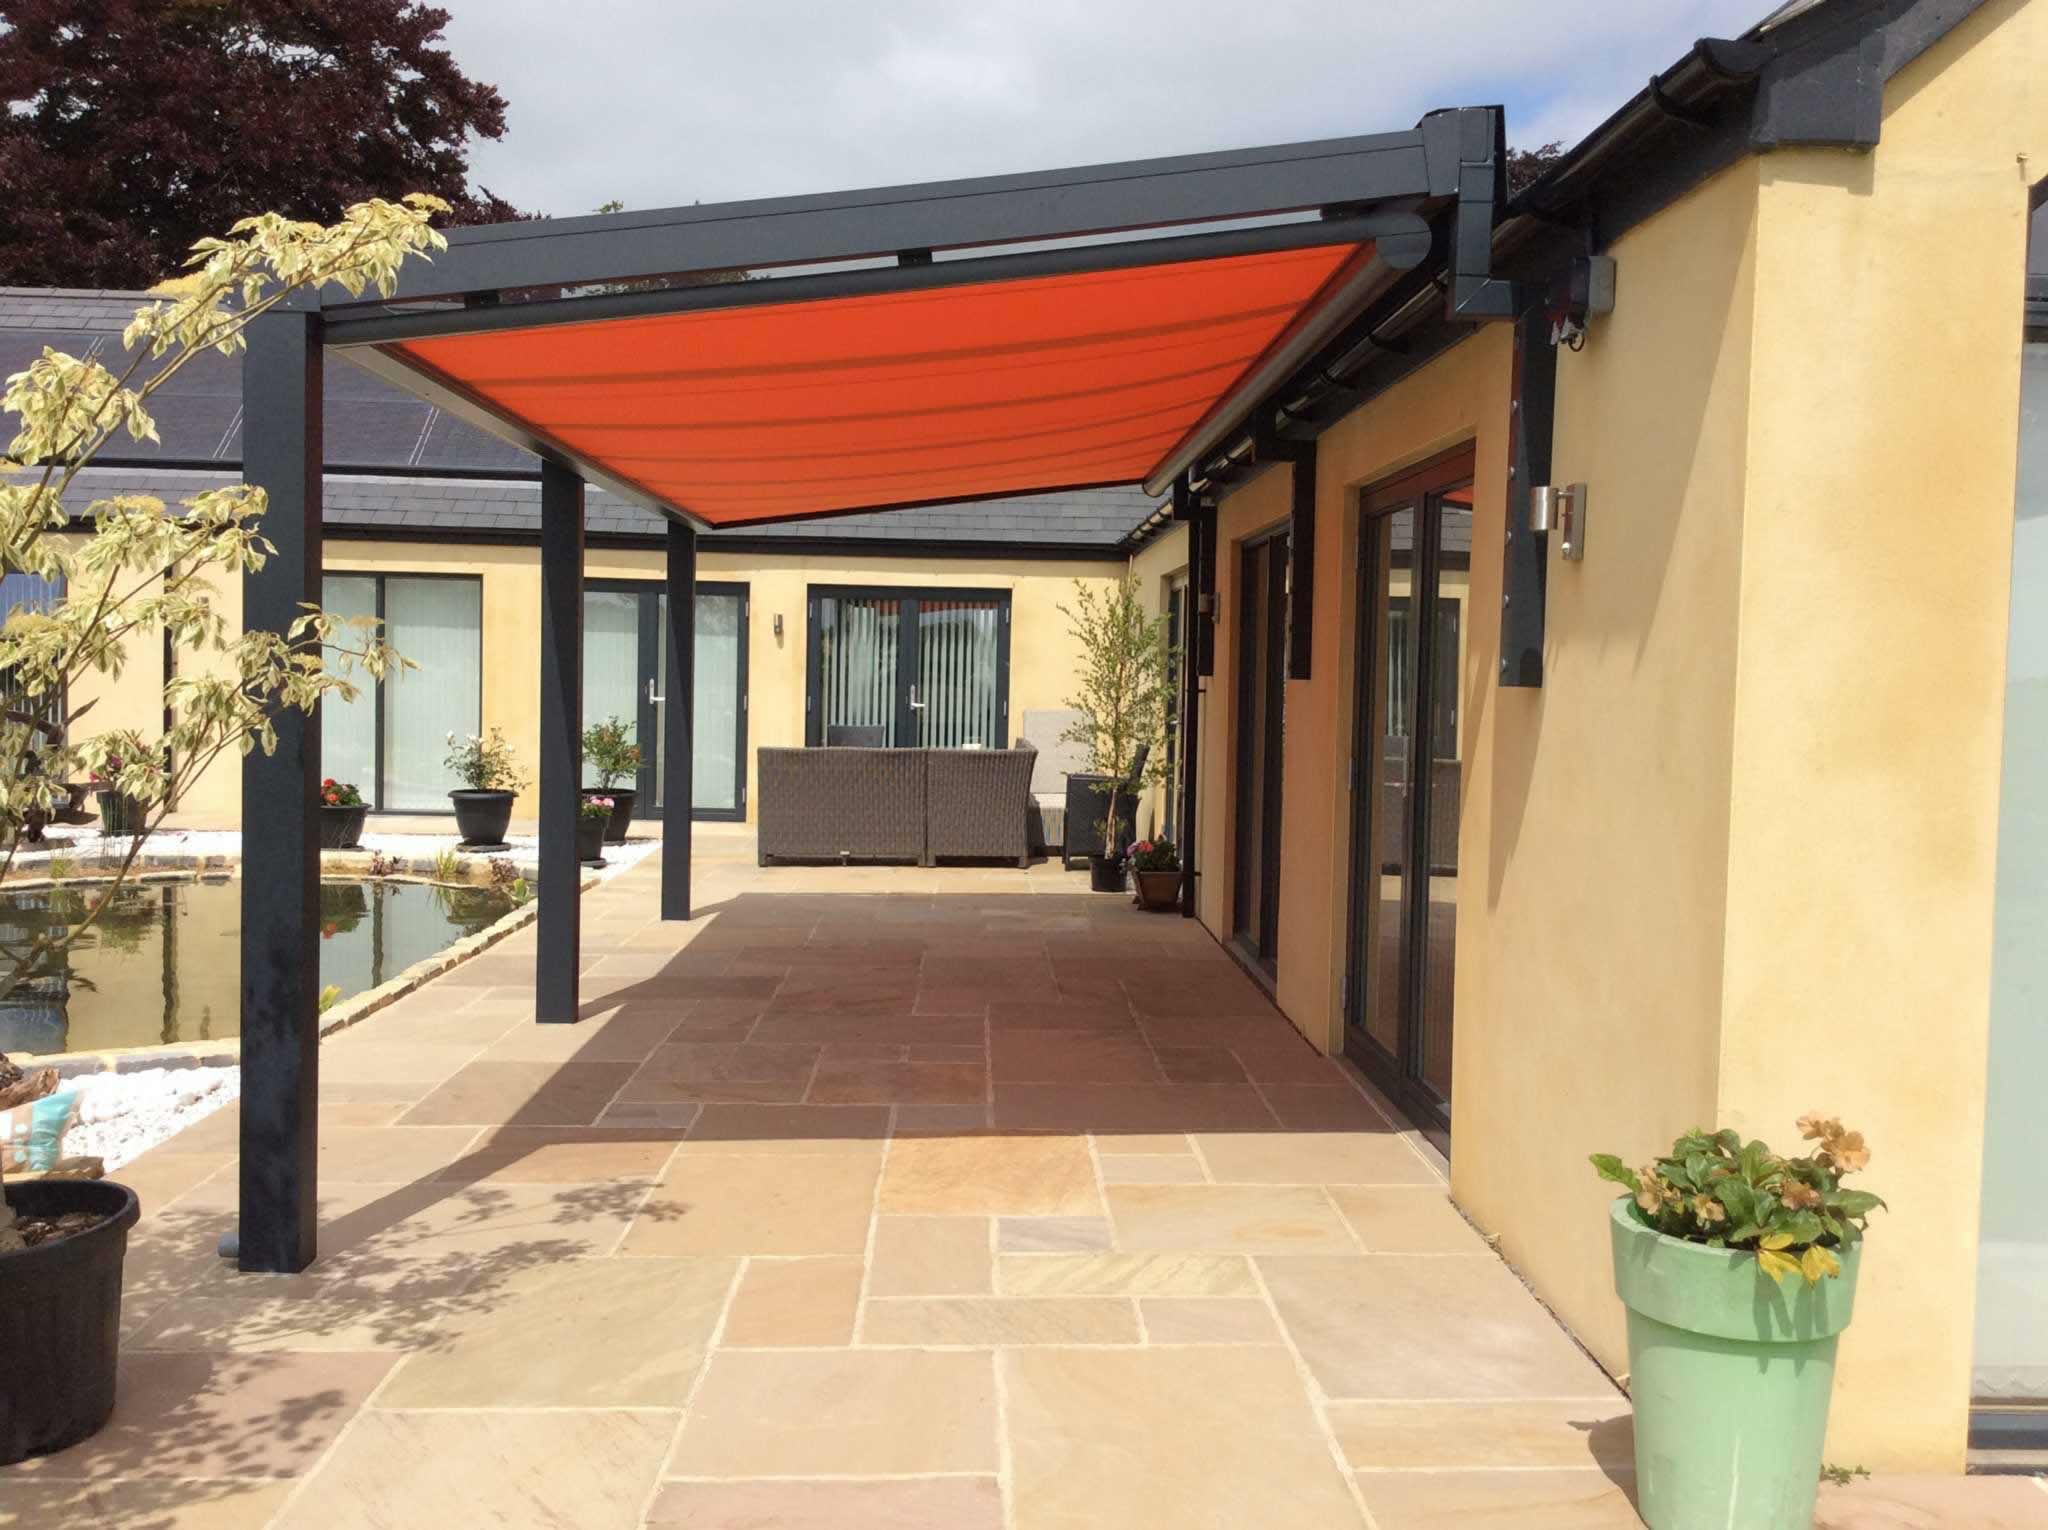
x=391, y=739
x=899, y=668
x=625, y=675
x=1414, y=554
x=1261, y=737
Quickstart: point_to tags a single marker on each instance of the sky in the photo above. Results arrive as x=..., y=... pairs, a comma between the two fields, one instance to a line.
x=658, y=103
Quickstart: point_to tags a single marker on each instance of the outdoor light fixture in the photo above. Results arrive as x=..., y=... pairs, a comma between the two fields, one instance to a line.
x=778, y=626
x=1563, y=509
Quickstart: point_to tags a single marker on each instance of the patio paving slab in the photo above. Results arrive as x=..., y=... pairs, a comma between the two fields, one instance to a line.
x=1093, y=1253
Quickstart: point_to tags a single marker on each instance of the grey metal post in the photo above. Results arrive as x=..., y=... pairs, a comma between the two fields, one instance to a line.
x=559, y=933
x=678, y=721
x=281, y=399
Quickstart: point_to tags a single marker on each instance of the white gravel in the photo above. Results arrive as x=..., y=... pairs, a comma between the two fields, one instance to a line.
x=120, y=1116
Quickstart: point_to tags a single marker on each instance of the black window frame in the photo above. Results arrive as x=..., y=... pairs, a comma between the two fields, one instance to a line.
x=376, y=687
x=906, y=652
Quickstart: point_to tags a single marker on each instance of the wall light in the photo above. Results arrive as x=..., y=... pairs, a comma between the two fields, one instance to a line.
x=1560, y=508
x=778, y=626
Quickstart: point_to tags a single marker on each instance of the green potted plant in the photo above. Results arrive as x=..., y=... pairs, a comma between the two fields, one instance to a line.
x=1124, y=686
x=1738, y=1271
x=1155, y=867
x=593, y=821
x=491, y=778
x=608, y=749
x=140, y=566
x=342, y=811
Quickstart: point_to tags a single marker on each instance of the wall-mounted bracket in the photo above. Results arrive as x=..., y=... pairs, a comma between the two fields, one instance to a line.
x=1523, y=569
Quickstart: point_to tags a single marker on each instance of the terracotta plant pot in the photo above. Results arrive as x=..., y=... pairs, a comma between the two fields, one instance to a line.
x=1158, y=891
x=60, y=1324
x=342, y=827
x=481, y=817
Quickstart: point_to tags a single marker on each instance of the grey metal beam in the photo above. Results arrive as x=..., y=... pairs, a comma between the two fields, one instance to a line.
x=279, y=1134
x=1402, y=237
x=559, y=924
x=1193, y=623
x=678, y=743
x=940, y=215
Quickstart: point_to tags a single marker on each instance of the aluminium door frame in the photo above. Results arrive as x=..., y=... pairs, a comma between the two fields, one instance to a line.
x=1272, y=799
x=1421, y=488
x=907, y=652
x=651, y=641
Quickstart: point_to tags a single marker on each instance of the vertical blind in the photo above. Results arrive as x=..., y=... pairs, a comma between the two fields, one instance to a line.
x=858, y=638
x=611, y=665
x=29, y=592
x=348, y=729
x=958, y=680
x=714, y=734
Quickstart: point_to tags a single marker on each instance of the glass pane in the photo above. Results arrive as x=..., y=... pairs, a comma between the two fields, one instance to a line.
x=959, y=683
x=2012, y=1266
x=1391, y=705
x=1446, y=706
x=437, y=624
x=348, y=729
x=857, y=644
x=714, y=737
x=611, y=664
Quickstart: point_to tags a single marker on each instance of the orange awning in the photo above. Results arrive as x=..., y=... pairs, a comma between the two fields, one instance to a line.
x=784, y=410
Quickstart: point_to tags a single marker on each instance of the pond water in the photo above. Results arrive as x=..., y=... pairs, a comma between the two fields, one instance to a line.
x=163, y=963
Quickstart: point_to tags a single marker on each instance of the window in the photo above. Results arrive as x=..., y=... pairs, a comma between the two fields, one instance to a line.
x=29, y=592
x=392, y=738
x=908, y=668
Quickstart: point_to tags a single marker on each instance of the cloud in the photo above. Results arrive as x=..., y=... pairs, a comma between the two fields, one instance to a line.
x=659, y=102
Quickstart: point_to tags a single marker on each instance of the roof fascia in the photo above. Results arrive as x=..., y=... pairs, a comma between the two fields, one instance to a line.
x=940, y=215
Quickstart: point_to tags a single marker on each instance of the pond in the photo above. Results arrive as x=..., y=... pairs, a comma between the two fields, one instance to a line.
x=163, y=963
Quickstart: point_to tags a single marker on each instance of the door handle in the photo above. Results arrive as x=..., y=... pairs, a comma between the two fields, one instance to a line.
x=653, y=699
x=915, y=704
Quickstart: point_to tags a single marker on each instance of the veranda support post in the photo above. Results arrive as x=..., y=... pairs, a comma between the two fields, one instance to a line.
x=559, y=926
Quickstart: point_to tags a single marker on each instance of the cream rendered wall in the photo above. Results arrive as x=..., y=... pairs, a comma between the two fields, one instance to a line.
x=1869, y=684
x=1042, y=655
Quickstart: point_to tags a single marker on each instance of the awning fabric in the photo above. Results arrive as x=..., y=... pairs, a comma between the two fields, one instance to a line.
x=813, y=408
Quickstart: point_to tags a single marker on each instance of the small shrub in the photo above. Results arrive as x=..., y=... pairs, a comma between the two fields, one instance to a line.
x=1155, y=855
x=1716, y=1189
x=520, y=890
x=448, y=867
x=609, y=749
x=62, y=868
x=485, y=762
x=329, y=997
x=382, y=865
x=503, y=873
x=1842, y=1476
x=335, y=793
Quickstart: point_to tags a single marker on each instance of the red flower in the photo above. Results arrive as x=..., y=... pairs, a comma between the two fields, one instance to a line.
x=328, y=782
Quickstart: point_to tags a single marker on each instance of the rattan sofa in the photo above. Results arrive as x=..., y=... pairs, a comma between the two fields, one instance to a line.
x=894, y=804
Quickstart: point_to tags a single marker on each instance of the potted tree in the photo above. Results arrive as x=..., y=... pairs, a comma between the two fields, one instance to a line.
x=593, y=823
x=145, y=567
x=342, y=811
x=1155, y=867
x=491, y=778
x=1122, y=693
x=1738, y=1270
x=608, y=749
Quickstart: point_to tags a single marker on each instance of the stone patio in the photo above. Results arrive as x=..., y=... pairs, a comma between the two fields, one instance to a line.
x=871, y=1198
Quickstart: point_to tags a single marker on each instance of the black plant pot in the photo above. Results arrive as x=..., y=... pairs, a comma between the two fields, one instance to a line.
x=60, y=1318
x=623, y=798
x=590, y=838
x=341, y=827
x=121, y=813
x=1105, y=873
x=481, y=817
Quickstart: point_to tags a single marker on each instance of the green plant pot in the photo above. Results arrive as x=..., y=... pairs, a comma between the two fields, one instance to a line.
x=1730, y=1374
